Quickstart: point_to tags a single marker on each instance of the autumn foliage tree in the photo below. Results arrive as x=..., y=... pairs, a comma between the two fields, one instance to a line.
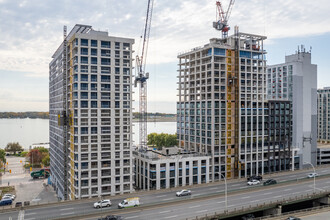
x=35, y=157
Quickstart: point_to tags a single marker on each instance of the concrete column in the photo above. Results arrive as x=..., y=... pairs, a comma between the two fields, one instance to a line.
x=167, y=175
x=158, y=176
x=273, y=211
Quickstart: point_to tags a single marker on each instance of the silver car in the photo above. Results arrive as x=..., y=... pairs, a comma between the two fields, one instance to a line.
x=184, y=192
x=253, y=182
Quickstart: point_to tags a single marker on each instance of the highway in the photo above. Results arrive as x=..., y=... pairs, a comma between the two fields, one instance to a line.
x=191, y=206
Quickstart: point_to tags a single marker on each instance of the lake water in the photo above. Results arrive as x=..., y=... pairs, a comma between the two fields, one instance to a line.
x=32, y=131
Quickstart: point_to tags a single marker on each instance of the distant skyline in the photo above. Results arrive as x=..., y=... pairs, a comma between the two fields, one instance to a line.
x=31, y=31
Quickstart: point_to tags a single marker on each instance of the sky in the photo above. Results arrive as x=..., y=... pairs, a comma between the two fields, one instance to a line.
x=31, y=31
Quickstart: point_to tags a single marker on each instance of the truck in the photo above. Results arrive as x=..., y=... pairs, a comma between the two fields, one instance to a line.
x=129, y=202
x=41, y=173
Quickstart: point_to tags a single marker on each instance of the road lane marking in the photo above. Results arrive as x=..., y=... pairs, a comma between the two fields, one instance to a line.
x=195, y=206
x=277, y=196
x=135, y=216
x=323, y=171
x=236, y=185
x=30, y=213
x=219, y=191
x=167, y=199
x=70, y=213
x=164, y=212
x=221, y=202
x=287, y=190
x=66, y=209
x=161, y=196
x=29, y=218
x=173, y=216
x=201, y=211
x=197, y=194
x=242, y=187
x=268, y=193
x=255, y=201
x=246, y=197
x=213, y=188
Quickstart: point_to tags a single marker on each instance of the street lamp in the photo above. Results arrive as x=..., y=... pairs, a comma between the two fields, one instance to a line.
x=225, y=192
x=314, y=172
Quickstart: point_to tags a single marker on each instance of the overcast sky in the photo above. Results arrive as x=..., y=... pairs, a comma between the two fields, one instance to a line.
x=31, y=30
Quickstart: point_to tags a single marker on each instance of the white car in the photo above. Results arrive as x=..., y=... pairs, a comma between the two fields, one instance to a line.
x=184, y=192
x=311, y=175
x=253, y=182
x=102, y=203
x=9, y=195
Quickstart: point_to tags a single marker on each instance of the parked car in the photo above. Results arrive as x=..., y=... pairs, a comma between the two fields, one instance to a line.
x=18, y=204
x=6, y=202
x=248, y=217
x=10, y=195
x=255, y=178
x=184, y=192
x=102, y=203
x=129, y=202
x=270, y=182
x=311, y=175
x=111, y=217
x=293, y=218
x=253, y=182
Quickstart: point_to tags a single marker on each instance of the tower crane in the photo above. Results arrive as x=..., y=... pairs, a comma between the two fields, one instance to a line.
x=222, y=18
x=141, y=77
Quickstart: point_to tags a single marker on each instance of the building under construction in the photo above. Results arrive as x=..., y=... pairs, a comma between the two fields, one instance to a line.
x=222, y=108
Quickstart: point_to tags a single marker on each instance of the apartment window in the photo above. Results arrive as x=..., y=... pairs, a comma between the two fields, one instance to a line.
x=105, y=78
x=93, y=78
x=94, y=43
x=93, y=95
x=93, y=69
x=105, y=44
x=105, y=53
x=93, y=86
x=84, y=95
x=84, y=60
x=84, y=77
x=105, y=70
x=93, y=60
x=84, y=69
x=84, y=130
x=84, y=51
x=105, y=104
x=84, y=42
x=84, y=86
x=84, y=104
x=105, y=61
x=93, y=52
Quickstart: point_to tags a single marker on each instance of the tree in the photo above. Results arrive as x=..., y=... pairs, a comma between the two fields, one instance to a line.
x=13, y=147
x=35, y=157
x=3, y=155
x=162, y=140
x=42, y=149
x=46, y=161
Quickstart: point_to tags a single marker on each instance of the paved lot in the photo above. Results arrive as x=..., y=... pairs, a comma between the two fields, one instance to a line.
x=26, y=188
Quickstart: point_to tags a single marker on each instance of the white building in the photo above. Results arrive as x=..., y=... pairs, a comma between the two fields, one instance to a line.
x=323, y=154
x=90, y=99
x=323, y=114
x=170, y=167
x=296, y=81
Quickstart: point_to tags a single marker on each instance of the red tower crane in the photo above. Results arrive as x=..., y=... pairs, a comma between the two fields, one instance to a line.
x=222, y=18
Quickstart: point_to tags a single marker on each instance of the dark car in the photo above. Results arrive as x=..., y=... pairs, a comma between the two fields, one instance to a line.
x=18, y=204
x=248, y=217
x=270, y=182
x=111, y=217
x=254, y=178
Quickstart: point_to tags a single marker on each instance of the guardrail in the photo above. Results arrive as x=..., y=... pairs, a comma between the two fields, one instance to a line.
x=260, y=207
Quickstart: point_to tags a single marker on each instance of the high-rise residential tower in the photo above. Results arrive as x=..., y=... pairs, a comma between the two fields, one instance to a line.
x=296, y=81
x=90, y=110
x=222, y=109
x=323, y=116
